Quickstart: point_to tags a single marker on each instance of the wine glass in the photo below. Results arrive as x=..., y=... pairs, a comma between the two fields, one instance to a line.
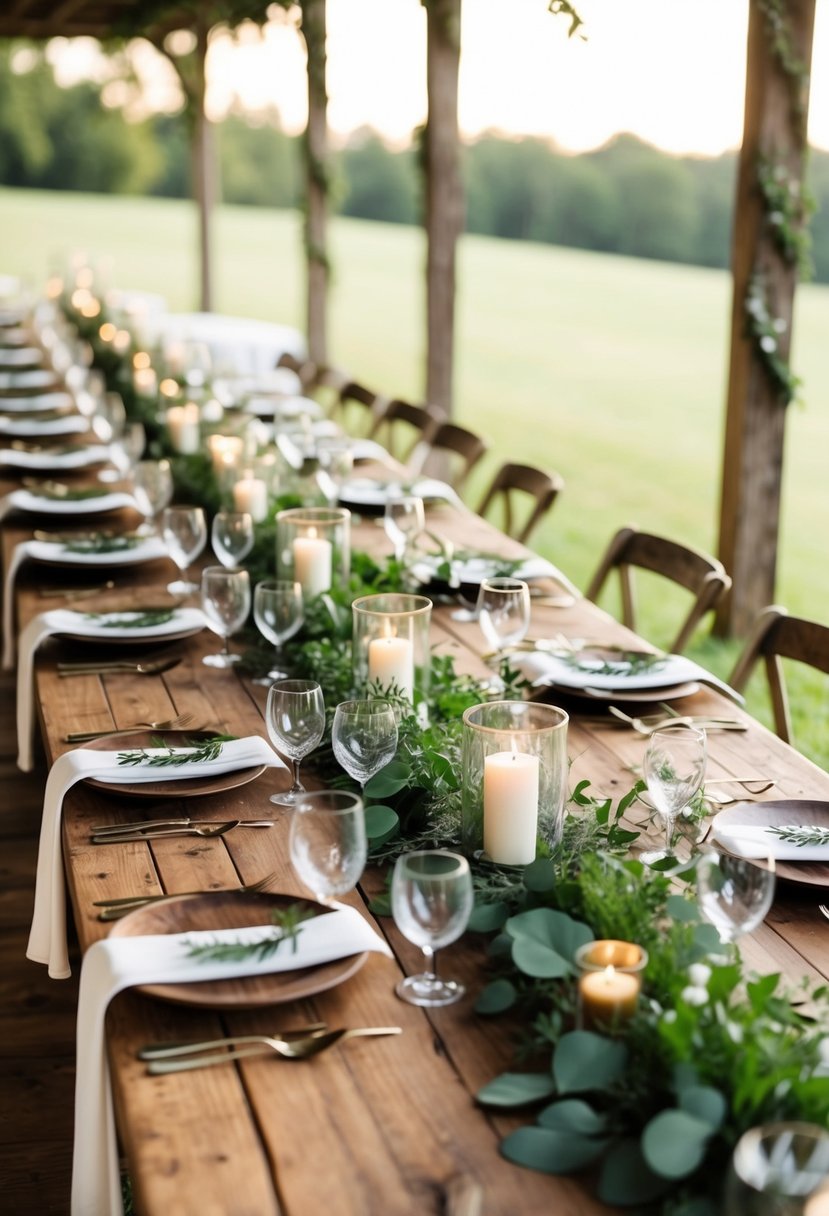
x=364, y=737
x=674, y=770
x=295, y=718
x=278, y=613
x=327, y=842
x=126, y=453
x=431, y=902
x=231, y=536
x=225, y=597
x=335, y=454
x=185, y=533
x=503, y=612
x=734, y=893
x=152, y=486
x=779, y=1169
x=404, y=519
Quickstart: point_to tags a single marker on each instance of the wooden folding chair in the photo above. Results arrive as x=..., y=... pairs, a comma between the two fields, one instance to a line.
x=703, y=576
x=402, y=425
x=776, y=636
x=451, y=453
x=511, y=486
x=357, y=407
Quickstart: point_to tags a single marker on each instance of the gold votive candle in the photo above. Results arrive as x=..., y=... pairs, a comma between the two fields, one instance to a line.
x=609, y=983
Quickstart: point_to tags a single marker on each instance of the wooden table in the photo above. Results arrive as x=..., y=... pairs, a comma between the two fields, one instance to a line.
x=376, y=1126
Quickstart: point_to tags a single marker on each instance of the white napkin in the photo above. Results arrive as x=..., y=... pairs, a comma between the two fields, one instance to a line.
x=67, y=424
x=750, y=840
x=47, y=939
x=114, y=964
x=31, y=405
x=42, y=504
x=63, y=620
x=77, y=458
x=542, y=668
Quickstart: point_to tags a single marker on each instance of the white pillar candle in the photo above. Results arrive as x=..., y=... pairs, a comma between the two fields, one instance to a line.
x=313, y=559
x=510, y=807
x=251, y=495
x=225, y=451
x=145, y=381
x=391, y=665
x=183, y=427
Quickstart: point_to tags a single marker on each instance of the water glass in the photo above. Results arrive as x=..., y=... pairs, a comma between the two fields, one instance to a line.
x=225, y=598
x=184, y=530
x=674, y=770
x=231, y=536
x=404, y=519
x=295, y=718
x=327, y=842
x=364, y=737
x=431, y=902
x=503, y=612
x=734, y=893
x=779, y=1169
x=152, y=486
x=278, y=612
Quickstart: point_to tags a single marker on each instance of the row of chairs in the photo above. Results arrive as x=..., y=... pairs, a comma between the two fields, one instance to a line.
x=420, y=436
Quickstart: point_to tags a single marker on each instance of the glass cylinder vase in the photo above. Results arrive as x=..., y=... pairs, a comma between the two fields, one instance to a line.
x=391, y=645
x=313, y=548
x=514, y=759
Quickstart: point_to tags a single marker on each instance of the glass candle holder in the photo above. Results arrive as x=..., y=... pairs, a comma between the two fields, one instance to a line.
x=610, y=980
x=390, y=645
x=313, y=548
x=779, y=1169
x=514, y=757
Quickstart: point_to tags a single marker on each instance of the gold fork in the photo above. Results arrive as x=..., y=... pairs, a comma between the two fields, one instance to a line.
x=290, y=1049
x=170, y=724
x=114, y=909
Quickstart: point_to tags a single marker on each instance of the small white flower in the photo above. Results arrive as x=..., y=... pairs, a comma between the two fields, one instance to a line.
x=699, y=974
x=694, y=996
x=823, y=1051
x=734, y=1032
x=779, y=325
x=768, y=344
x=669, y=1016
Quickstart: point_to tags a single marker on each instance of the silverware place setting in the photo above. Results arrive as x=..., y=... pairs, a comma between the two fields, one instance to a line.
x=145, y=667
x=301, y=1048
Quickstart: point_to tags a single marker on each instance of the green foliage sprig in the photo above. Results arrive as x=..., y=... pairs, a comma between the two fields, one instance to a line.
x=766, y=330
x=802, y=835
x=132, y=620
x=288, y=922
x=165, y=755
x=102, y=543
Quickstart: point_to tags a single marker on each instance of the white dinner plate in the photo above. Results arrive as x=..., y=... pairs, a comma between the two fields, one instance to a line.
x=67, y=424
x=59, y=458
x=20, y=356
x=148, y=549
x=116, y=627
x=783, y=813
x=471, y=571
x=36, y=403
x=38, y=377
x=373, y=495
x=42, y=504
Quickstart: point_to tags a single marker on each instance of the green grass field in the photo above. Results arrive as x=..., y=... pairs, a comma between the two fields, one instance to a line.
x=611, y=370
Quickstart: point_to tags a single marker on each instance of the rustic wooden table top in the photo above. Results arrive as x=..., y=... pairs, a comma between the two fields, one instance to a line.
x=377, y=1126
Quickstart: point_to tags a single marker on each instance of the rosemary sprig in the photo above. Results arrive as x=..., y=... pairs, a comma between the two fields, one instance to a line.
x=132, y=620
x=79, y=494
x=626, y=663
x=102, y=544
x=288, y=922
x=164, y=755
x=795, y=834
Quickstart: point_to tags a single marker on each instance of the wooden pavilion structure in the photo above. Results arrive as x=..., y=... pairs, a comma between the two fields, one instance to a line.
x=765, y=251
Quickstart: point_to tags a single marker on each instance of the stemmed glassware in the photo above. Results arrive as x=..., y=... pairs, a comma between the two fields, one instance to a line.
x=335, y=454
x=278, y=612
x=152, y=486
x=404, y=519
x=364, y=737
x=295, y=718
x=503, y=612
x=225, y=596
x=184, y=530
x=431, y=902
x=327, y=842
x=231, y=536
x=674, y=770
x=734, y=893
x=779, y=1169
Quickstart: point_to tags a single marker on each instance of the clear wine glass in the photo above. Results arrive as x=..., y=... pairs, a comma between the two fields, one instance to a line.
x=184, y=530
x=734, y=893
x=225, y=596
x=126, y=453
x=503, y=612
x=674, y=770
x=152, y=486
x=779, y=1169
x=278, y=612
x=404, y=519
x=327, y=842
x=335, y=454
x=295, y=718
x=431, y=902
x=364, y=737
x=231, y=536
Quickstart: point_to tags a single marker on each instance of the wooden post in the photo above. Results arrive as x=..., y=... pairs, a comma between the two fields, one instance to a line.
x=203, y=163
x=443, y=195
x=775, y=130
x=316, y=200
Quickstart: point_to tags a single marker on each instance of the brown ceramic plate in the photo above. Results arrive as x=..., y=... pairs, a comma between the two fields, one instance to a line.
x=645, y=696
x=775, y=814
x=233, y=910
x=193, y=787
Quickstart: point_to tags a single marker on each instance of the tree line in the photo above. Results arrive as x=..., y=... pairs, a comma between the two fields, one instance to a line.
x=626, y=197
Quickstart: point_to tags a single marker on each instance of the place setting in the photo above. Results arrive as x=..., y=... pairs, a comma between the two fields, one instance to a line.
x=793, y=832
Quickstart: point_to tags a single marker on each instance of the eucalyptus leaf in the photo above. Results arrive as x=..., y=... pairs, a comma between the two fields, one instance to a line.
x=551, y=1150
x=674, y=1143
x=381, y=822
x=625, y=1179
x=540, y=875
x=545, y=942
x=488, y=918
x=586, y=1061
x=517, y=1089
x=704, y=1102
x=496, y=997
x=390, y=780
x=573, y=1115
x=681, y=909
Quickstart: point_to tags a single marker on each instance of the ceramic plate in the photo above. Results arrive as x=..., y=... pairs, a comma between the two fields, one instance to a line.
x=43, y=504
x=36, y=403
x=55, y=458
x=84, y=627
x=37, y=378
x=777, y=814
x=233, y=910
x=189, y=787
x=55, y=554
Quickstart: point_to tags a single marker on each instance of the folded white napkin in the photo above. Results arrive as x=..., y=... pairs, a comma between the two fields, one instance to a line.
x=540, y=668
x=47, y=939
x=750, y=840
x=42, y=504
x=32, y=405
x=63, y=620
x=67, y=424
x=114, y=964
x=38, y=377
x=77, y=458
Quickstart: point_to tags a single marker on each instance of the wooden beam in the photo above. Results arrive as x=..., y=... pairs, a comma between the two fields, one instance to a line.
x=316, y=182
x=752, y=466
